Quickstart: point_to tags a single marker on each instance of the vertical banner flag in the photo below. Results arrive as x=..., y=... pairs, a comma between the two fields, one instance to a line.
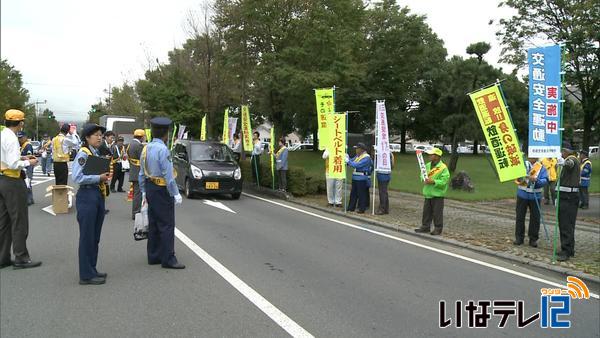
x=499, y=132
x=246, y=129
x=203, y=129
x=232, y=127
x=181, y=131
x=422, y=166
x=273, y=155
x=325, y=106
x=337, y=146
x=225, y=137
x=148, y=135
x=544, y=101
x=173, y=137
x=383, y=141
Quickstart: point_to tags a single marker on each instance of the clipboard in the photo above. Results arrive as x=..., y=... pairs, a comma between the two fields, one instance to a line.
x=95, y=165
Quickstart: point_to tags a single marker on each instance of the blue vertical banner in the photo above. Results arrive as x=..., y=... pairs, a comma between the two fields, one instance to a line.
x=544, y=101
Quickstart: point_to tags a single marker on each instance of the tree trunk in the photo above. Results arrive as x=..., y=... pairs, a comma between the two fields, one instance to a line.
x=454, y=156
x=316, y=141
x=475, y=147
x=403, y=140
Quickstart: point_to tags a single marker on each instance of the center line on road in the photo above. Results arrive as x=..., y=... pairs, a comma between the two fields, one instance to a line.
x=448, y=253
x=264, y=305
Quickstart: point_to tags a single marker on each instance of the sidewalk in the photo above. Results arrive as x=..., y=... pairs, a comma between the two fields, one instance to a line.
x=490, y=226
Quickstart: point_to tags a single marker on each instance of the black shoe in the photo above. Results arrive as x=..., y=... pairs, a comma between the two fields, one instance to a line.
x=585, y=207
x=422, y=230
x=360, y=212
x=153, y=263
x=329, y=205
x=120, y=190
x=337, y=205
x=562, y=258
x=106, y=211
x=518, y=242
x=533, y=243
x=102, y=274
x=437, y=231
x=113, y=190
x=26, y=265
x=92, y=281
x=174, y=266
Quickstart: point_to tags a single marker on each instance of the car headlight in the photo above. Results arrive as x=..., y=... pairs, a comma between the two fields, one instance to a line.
x=237, y=174
x=196, y=172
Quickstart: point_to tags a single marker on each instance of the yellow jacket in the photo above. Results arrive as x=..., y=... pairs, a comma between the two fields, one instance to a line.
x=550, y=164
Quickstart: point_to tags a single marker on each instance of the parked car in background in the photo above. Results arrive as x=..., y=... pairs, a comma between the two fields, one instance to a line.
x=301, y=146
x=206, y=167
x=395, y=147
x=593, y=152
x=36, y=147
x=422, y=147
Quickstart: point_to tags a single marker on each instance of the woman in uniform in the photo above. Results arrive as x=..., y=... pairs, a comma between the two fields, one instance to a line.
x=90, y=206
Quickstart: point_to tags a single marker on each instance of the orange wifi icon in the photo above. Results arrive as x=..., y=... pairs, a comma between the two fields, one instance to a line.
x=577, y=288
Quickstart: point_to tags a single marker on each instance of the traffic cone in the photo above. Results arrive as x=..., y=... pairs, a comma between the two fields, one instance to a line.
x=130, y=194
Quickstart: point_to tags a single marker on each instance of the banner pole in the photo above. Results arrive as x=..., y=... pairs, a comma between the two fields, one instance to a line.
x=375, y=160
x=345, y=182
x=560, y=131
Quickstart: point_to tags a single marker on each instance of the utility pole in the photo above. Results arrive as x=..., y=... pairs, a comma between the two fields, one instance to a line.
x=37, y=124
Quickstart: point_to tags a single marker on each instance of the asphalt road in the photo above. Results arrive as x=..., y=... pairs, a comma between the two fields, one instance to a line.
x=259, y=270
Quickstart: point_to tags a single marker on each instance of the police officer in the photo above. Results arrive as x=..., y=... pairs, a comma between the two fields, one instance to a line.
x=361, y=178
x=90, y=202
x=61, y=149
x=159, y=190
x=584, y=182
x=14, y=216
x=27, y=151
x=134, y=152
x=529, y=195
x=383, y=180
x=568, y=202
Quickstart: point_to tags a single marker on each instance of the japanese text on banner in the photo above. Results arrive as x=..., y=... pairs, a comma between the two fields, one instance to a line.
x=246, y=129
x=225, y=136
x=499, y=133
x=383, y=142
x=544, y=101
x=337, y=146
x=325, y=106
x=203, y=129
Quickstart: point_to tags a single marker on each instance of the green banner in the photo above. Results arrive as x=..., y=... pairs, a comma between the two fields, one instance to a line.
x=499, y=133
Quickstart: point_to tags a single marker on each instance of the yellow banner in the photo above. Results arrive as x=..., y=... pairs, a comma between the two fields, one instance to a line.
x=325, y=106
x=148, y=135
x=246, y=129
x=203, y=129
x=499, y=133
x=225, y=137
x=337, y=145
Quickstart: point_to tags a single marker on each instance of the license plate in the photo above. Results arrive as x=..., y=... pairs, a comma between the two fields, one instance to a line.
x=212, y=185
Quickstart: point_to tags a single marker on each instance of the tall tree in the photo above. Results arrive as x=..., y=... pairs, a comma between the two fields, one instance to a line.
x=14, y=95
x=575, y=23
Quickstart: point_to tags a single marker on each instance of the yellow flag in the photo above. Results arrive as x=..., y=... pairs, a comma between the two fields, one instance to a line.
x=325, y=106
x=203, y=129
x=226, y=127
x=246, y=129
x=148, y=134
x=337, y=146
x=499, y=133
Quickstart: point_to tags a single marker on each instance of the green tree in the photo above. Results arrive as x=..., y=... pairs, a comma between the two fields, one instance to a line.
x=13, y=96
x=575, y=23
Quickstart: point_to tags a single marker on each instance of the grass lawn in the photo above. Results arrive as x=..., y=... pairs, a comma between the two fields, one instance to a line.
x=405, y=176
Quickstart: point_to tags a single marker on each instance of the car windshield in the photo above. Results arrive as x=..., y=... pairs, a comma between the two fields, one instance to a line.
x=211, y=152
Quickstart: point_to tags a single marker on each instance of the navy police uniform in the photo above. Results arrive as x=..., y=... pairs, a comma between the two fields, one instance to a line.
x=90, y=205
x=361, y=180
x=157, y=184
x=27, y=150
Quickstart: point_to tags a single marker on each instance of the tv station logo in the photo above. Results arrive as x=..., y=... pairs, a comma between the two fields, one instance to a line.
x=555, y=309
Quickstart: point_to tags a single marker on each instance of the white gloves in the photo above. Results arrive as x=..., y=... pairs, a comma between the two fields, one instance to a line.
x=347, y=158
x=178, y=199
x=144, y=202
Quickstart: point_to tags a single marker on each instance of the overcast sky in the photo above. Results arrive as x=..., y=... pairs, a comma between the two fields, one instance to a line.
x=70, y=51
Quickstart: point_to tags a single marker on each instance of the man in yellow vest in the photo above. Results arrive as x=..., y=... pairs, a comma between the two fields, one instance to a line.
x=134, y=152
x=550, y=189
x=14, y=216
x=61, y=150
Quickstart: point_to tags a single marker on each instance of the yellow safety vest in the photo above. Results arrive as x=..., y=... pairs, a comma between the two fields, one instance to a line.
x=160, y=181
x=133, y=161
x=13, y=173
x=24, y=145
x=58, y=155
x=101, y=185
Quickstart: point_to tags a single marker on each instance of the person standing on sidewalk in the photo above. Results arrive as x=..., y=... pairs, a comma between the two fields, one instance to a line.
x=586, y=177
x=529, y=195
x=383, y=180
x=14, y=214
x=568, y=202
x=118, y=152
x=44, y=153
x=334, y=185
x=550, y=189
x=281, y=163
x=27, y=151
x=61, y=147
x=237, y=147
x=361, y=178
x=134, y=152
x=434, y=191
x=255, y=160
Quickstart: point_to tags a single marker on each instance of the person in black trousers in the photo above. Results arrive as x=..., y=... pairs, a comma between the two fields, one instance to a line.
x=118, y=152
x=568, y=198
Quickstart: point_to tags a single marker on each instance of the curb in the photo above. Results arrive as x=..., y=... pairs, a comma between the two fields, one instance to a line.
x=503, y=255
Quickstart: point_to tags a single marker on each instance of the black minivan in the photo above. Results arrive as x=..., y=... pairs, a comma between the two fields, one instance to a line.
x=207, y=168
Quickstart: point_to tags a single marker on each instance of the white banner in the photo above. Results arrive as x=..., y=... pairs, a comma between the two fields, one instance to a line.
x=383, y=141
x=422, y=166
x=232, y=128
x=181, y=131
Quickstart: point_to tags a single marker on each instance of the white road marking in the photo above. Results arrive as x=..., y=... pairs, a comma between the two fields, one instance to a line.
x=468, y=259
x=264, y=305
x=218, y=205
x=49, y=209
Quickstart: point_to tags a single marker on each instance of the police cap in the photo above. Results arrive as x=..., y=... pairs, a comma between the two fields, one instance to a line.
x=21, y=134
x=161, y=121
x=90, y=128
x=361, y=146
